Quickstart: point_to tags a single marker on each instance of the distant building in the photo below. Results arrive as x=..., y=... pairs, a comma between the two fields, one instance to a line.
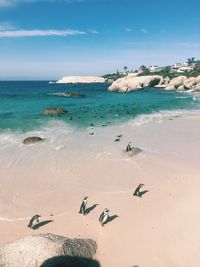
x=155, y=68
x=182, y=67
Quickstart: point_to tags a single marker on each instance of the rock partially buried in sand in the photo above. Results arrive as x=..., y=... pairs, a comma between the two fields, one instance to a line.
x=134, y=151
x=32, y=140
x=54, y=111
x=48, y=250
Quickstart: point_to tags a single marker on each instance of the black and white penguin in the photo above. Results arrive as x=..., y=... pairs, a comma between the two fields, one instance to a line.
x=129, y=148
x=104, y=217
x=33, y=220
x=83, y=206
x=137, y=190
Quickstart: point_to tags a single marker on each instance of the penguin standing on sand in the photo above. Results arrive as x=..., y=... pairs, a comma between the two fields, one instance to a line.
x=104, y=217
x=128, y=148
x=33, y=220
x=83, y=206
x=137, y=190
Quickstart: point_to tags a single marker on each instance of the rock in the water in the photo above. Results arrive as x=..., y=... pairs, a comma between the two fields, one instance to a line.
x=46, y=250
x=129, y=83
x=74, y=94
x=32, y=140
x=134, y=151
x=181, y=88
x=54, y=111
x=176, y=82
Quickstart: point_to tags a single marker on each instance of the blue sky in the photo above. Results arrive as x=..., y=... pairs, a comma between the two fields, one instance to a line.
x=48, y=39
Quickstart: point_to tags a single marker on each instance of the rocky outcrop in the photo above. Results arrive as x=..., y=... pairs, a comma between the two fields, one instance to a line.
x=176, y=82
x=81, y=79
x=47, y=250
x=183, y=83
x=54, y=111
x=189, y=83
x=198, y=80
x=130, y=83
x=32, y=140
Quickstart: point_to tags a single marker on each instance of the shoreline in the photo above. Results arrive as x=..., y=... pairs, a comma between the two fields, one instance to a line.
x=50, y=179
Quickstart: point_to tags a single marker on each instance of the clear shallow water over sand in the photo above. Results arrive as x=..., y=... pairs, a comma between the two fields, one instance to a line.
x=22, y=103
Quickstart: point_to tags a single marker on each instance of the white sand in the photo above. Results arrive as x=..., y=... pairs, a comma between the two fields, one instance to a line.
x=161, y=229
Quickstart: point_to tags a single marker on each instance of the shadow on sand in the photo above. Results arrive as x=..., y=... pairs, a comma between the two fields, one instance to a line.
x=88, y=210
x=111, y=218
x=140, y=194
x=38, y=225
x=70, y=261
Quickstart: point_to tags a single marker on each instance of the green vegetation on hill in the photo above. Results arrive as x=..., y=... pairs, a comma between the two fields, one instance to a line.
x=167, y=71
x=113, y=76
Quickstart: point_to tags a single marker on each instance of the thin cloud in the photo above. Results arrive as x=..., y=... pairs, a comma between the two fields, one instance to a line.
x=93, y=31
x=128, y=30
x=34, y=33
x=9, y=3
x=144, y=31
x=6, y=26
x=186, y=44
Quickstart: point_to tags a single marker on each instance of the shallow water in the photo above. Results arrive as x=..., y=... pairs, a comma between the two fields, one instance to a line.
x=22, y=103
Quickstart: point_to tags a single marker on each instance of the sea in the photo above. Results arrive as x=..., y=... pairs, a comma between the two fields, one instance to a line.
x=22, y=104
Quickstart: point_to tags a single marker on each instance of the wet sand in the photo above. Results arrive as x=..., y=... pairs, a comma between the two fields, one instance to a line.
x=161, y=229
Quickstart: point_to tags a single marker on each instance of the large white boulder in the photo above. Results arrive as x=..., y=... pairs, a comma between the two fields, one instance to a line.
x=47, y=250
x=189, y=83
x=176, y=82
x=198, y=79
x=130, y=83
x=81, y=79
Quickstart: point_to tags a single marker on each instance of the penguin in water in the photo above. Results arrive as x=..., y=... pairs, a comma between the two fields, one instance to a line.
x=33, y=220
x=83, y=206
x=104, y=217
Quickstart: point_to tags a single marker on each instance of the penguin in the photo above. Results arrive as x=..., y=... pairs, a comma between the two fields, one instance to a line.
x=104, y=217
x=33, y=220
x=137, y=190
x=128, y=148
x=83, y=206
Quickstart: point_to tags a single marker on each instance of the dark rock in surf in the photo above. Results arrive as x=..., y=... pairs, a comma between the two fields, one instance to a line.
x=32, y=140
x=54, y=111
x=74, y=94
x=134, y=151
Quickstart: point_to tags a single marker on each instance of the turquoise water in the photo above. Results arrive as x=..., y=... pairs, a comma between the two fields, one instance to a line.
x=22, y=103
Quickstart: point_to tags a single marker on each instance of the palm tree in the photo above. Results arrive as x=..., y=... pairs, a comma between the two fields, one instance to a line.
x=125, y=69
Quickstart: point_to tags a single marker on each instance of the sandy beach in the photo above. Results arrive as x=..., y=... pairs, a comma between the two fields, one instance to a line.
x=161, y=229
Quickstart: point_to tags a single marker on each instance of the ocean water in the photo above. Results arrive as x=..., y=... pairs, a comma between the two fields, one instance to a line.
x=22, y=103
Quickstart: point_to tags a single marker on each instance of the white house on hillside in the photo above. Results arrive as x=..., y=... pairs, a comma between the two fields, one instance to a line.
x=155, y=68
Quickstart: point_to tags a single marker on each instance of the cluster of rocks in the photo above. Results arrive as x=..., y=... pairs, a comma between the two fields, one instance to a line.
x=183, y=83
x=131, y=83
x=48, y=250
